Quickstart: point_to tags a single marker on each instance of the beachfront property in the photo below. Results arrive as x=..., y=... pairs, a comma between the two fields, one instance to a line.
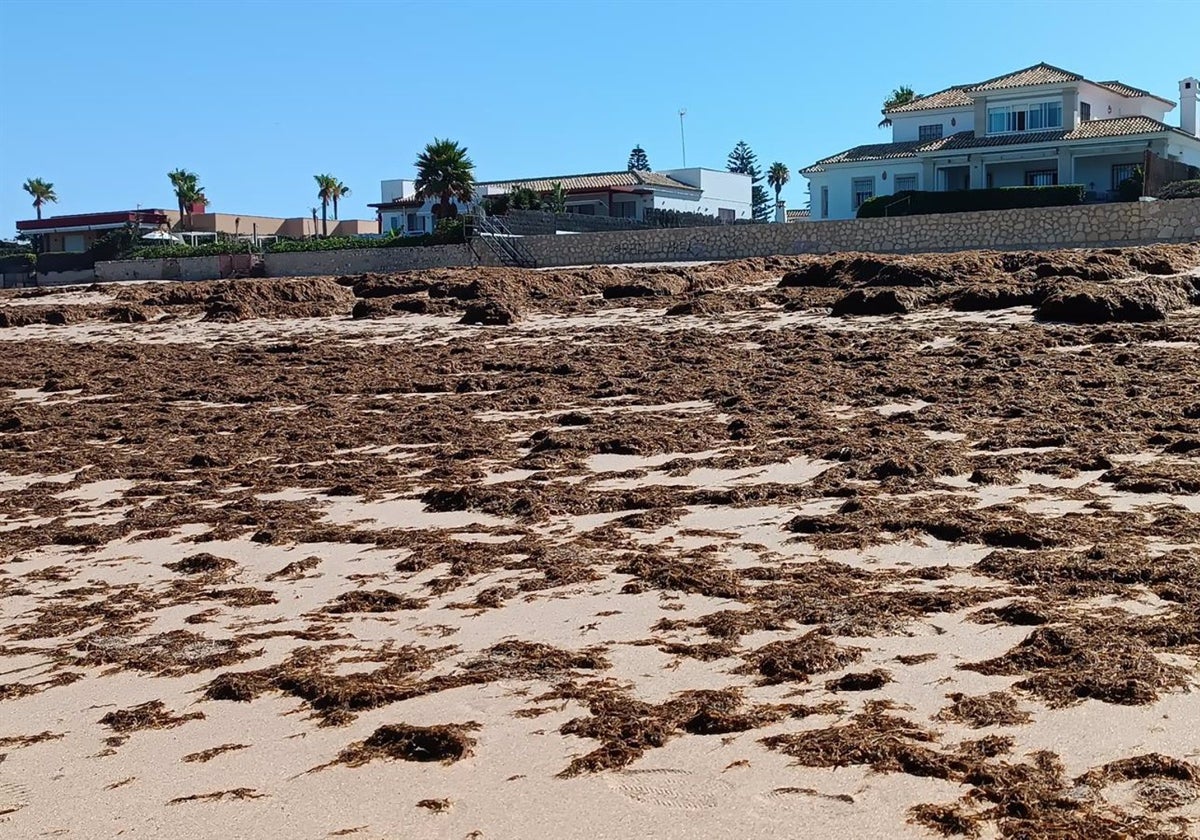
x=77, y=233
x=1038, y=126
x=627, y=194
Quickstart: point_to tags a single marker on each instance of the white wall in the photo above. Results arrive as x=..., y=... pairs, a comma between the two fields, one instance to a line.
x=719, y=189
x=908, y=127
x=1098, y=170
x=396, y=189
x=1102, y=100
x=841, y=184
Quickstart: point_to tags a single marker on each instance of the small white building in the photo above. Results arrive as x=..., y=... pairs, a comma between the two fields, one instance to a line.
x=628, y=194
x=1035, y=127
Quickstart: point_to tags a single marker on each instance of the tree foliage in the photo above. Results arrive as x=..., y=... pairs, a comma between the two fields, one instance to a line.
x=743, y=161
x=326, y=190
x=340, y=191
x=445, y=172
x=42, y=192
x=900, y=96
x=638, y=160
x=778, y=176
x=188, y=191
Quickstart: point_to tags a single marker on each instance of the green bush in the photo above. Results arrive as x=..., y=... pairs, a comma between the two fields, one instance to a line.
x=16, y=263
x=449, y=232
x=1181, y=189
x=922, y=202
x=180, y=251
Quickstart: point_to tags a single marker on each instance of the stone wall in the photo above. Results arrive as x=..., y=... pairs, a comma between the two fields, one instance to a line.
x=1042, y=227
x=65, y=278
x=541, y=222
x=367, y=260
x=186, y=268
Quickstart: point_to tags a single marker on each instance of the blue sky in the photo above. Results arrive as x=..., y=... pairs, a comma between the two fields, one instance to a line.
x=103, y=98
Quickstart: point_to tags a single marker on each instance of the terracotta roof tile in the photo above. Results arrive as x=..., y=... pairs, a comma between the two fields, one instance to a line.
x=799, y=215
x=595, y=181
x=949, y=98
x=1130, y=92
x=1091, y=130
x=1038, y=74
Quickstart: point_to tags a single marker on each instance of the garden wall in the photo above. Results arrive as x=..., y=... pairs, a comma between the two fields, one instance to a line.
x=1041, y=227
x=380, y=260
x=185, y=268
x=1134, y=223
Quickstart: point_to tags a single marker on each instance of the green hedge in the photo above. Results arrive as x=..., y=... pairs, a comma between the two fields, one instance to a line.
x=1181, y=189
x=921, y=202
x=17, y=263
x=448, y=233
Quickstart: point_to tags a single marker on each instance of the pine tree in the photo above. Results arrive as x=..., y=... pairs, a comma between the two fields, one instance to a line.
x=638, y=161
x=743, y=161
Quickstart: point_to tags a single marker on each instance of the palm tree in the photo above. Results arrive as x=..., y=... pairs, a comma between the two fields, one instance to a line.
x=188, y=192
x=445, y=172
x=340, y=190
x=777, y=176
x=42, y=192
x=900, y=96
x=326, y=189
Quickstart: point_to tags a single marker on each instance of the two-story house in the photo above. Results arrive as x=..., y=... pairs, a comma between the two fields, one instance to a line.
x=1036, y=127
x=629, y=194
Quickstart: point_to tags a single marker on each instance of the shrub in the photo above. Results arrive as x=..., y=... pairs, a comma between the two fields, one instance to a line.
x=922, y=202
x=180, y=251
x=1131, y=189
x=16, y=263
x=1181, y=189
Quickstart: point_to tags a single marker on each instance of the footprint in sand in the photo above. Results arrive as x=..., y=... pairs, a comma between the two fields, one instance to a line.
x=13, y=797
x=671, y=788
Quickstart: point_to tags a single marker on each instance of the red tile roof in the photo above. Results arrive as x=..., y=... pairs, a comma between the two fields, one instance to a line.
x=594, y=181
x=1038, y=74
x=1091, y=130
x=1129, y=92
x=949, y=98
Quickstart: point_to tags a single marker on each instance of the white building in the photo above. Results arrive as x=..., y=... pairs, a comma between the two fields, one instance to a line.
x=711, y=192
x=1035, y=127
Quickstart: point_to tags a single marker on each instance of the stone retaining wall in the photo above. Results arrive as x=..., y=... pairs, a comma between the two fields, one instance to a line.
x=367, y=260
x=185, y=268
x=1041, y=227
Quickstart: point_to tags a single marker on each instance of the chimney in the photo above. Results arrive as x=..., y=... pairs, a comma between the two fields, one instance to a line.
x=1189, y=89
x=780, y=211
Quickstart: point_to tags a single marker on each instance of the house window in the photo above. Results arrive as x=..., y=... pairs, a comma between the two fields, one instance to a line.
x=1085, y=112
x=1041, y=177
x=862, y=190
x=1122, y=172
x=726, y=215
x=625, y=209
x=394, y=223
x=824, y=202
x=1007, y=119
x=415, y=223
x=930, y=132
x=582, y=209
x=905, y=183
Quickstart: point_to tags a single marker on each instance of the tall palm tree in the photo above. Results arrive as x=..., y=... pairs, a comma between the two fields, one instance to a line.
x=900, y=96
x=188, y=192
x=42, y=192
x=340, y=190
x=326, y=190
x=445, y=172
x=777, y=176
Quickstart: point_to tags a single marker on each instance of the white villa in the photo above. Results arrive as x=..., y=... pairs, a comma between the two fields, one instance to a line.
x=629, y=194
x=1035, y=127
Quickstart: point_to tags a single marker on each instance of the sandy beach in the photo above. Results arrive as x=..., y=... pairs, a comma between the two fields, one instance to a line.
x=832, y=547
